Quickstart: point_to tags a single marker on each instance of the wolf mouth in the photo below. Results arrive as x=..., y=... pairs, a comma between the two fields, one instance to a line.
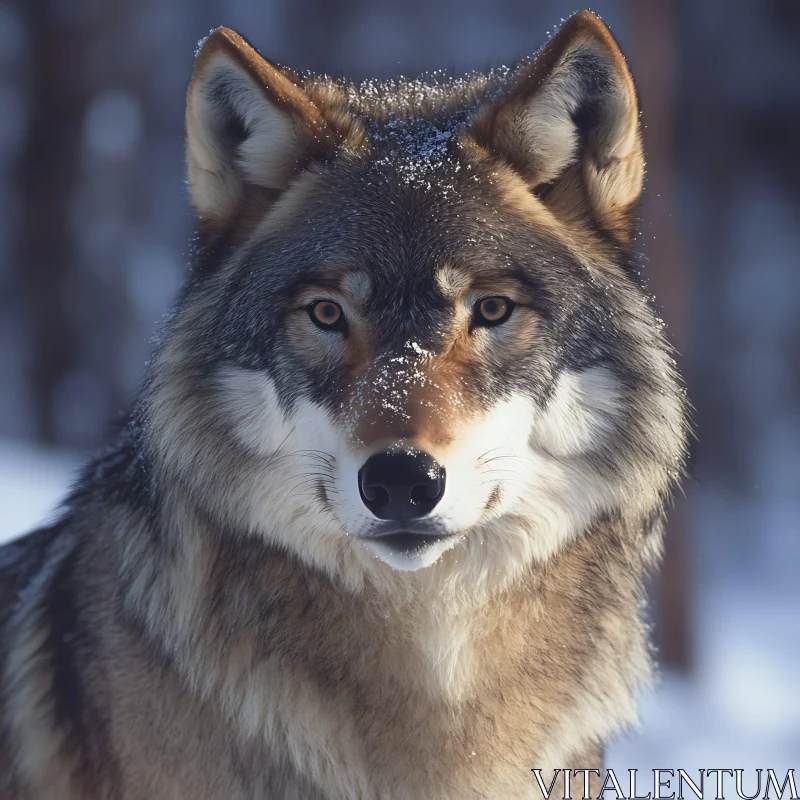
x=411, y=542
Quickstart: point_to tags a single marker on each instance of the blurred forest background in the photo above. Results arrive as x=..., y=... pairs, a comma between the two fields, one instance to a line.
x=95, y=238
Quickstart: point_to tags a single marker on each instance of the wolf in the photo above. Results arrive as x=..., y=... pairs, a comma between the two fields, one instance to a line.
x=378, y=523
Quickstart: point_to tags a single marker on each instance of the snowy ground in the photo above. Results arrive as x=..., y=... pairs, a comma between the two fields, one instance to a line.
x=32, y=482
x=740, y=710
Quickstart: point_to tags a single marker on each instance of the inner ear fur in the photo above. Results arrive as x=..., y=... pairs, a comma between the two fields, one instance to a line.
x=250, y=127
x=569, y=125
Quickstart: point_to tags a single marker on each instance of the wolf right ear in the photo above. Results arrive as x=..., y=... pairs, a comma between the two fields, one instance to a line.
x=249, y=126
x=569, y=125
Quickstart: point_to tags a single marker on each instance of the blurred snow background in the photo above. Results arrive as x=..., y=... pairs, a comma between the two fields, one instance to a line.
x=33, y=481
x=95, y=232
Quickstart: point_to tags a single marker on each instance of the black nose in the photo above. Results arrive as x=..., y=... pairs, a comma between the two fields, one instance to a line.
x=401, y=484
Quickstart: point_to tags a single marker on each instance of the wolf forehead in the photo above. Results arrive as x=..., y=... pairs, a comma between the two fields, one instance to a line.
x=407, y=252
x=362, y=222
x=404, y=253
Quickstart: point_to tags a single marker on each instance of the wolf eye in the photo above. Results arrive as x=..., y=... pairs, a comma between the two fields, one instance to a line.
x=492, y=311
x=327, y=315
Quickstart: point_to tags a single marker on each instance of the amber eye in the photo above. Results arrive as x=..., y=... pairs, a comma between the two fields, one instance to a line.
x=327, y=315
x=492, y=311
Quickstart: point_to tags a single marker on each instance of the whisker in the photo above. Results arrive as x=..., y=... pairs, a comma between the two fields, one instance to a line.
x=317, y=480
x=502, y=472
x=483, y=455
x=500, y=458
x=328, y=462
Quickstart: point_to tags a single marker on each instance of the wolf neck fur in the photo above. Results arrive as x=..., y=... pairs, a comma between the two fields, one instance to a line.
x=193, y=587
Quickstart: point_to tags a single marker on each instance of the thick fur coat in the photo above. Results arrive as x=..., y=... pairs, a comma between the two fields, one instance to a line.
x=435, y=267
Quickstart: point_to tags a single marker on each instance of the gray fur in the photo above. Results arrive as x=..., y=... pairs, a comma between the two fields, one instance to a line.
x=204, y=621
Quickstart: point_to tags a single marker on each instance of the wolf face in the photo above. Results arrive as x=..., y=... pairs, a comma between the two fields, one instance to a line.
x=413, y=331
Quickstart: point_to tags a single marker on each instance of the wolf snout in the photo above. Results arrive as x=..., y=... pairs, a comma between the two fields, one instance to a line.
x=401, y=485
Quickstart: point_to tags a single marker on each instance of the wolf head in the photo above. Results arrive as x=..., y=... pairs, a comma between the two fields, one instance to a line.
x=413, y=324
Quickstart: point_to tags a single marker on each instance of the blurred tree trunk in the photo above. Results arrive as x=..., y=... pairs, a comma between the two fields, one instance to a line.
x=47, y=174
x=654, y=51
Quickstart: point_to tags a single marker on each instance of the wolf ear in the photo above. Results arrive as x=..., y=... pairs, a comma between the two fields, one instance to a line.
x=249, y=125
x=570, y=126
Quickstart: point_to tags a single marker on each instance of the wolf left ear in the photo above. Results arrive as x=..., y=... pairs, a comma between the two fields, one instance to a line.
x=249, y=127
x=570, y=126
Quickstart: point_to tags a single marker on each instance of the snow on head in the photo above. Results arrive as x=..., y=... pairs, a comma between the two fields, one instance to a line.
x=416, y=147
x=415, y=123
